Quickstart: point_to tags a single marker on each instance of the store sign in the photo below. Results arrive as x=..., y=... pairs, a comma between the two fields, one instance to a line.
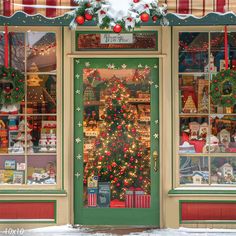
x=116, y=38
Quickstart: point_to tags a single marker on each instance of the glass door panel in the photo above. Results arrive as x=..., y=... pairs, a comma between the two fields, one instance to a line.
x=116, y=137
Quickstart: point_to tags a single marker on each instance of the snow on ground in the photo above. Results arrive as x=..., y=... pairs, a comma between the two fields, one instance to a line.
x=69, y=230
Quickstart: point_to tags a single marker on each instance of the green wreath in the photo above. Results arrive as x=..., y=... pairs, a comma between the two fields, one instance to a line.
x=12, y=86
x=223, y=88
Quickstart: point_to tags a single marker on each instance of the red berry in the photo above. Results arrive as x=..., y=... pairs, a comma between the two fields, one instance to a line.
x=88, y=16
x=80, y=20
x=155, y=18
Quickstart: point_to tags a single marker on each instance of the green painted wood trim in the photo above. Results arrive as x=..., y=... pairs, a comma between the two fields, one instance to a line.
x=204, y=221
x=37, y=192
x=111, y=216
x=33, y=222
x=77, y=33
x=22, y=19
x=194, y=192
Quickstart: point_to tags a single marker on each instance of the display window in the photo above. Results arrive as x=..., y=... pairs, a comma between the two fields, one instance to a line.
x=207, y=129
x=29, y=128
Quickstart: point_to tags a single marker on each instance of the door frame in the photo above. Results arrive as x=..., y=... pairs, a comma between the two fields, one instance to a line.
x=91, y=215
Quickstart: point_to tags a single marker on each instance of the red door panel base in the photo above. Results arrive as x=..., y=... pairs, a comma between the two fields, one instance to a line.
x=208, y=211
x=27, y=210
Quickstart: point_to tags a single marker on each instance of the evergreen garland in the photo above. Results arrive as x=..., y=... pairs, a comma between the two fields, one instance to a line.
x=14, y=78
x=218, y=85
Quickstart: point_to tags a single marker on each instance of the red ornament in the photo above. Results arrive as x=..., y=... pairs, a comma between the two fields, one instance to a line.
x=13, y=75
x=100, y=158
x=88, y=5
x=7, y=89
x=216, y=89
x=17, y=89
x=125, y=149
x=108, y=153
x=4, y=74
x=119, y=127
x=111, y=176
x=80, y=20
x=141, y=178
x=88, y=16
x=215, y=81
x=155, y=18
x=126, y=183
x=118, y=184
x=115, y=179
x=135, y=1
x=103, y=117
x=228, y=101
x=117, y=28
x=133, y=130
x=144, y=17
x=114, y=164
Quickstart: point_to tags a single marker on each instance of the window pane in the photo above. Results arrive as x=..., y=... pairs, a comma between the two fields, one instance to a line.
x=193, y=52
x=223, y=170
x=194, y=170
x=194, y=92
x=193, y=135
x=223, y=127
x=17, y=50
x=41, y=94
x=41, y=51
x=12, y=134
x=41, y=169
x=116, y=136
x=44, y=139
x=12, y=169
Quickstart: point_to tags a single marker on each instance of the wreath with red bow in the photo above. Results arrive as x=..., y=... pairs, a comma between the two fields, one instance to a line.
x=223, y=88
x=12, y=86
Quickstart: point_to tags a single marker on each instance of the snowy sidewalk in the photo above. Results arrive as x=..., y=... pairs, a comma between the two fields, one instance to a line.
x=69, y=230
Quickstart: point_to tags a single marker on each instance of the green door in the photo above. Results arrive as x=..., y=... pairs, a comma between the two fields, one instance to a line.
x=116, y=141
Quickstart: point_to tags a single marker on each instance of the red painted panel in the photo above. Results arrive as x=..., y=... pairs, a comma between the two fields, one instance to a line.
x=208, y=211
x=27, y=210
x=7, y=8
x=29, y=10
x=51, y=12
x=184, y=7
x=220, y=4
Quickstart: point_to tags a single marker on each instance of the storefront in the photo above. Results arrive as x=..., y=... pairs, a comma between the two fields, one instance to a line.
x=99, y=128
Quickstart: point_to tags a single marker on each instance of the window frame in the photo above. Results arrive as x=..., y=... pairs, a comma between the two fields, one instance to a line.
x=59, y=112
x=176, y=118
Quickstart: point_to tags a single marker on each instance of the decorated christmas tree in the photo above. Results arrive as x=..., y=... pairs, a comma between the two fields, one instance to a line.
x=22, y=142
x=120, y=156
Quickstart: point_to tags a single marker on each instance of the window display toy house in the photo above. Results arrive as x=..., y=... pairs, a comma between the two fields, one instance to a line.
x=213, y=146
x=200, y=177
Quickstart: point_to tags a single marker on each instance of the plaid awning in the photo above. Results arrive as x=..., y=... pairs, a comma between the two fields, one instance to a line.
x=53, y=8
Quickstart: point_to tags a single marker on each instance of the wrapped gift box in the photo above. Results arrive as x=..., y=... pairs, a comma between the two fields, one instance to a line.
x=92, y=197
x=117, y=204
x=142, y=200
x=129, y=198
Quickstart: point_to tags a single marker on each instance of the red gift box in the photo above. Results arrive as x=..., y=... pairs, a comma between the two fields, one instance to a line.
x=92, y=197
x=117, y=204
x=129, y=199
x=142, y=200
